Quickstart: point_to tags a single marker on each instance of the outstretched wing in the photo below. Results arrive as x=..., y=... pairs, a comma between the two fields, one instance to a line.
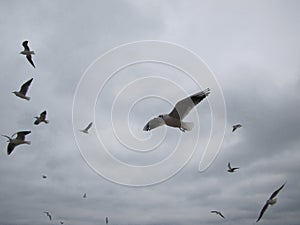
x=25, y=45
x=25, y=87
x=89, y=126
x=10, y=148
x=276, y=192
x=262, y=211
x=21, y=135
x=29, y=58
x=155, y=122
x=183, y=107
x=229, y=167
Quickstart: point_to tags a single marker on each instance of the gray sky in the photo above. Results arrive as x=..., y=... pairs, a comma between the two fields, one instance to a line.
x=251, y=46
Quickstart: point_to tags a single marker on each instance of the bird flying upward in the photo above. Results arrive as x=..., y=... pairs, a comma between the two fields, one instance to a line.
x=41, y=118
x=86, y=130
x=13, y=142
x=231, y=169
x=236, y=126
x=181, y=109
x=23, y=90
x=271, y=201
x=27, y=53
x=218, y=213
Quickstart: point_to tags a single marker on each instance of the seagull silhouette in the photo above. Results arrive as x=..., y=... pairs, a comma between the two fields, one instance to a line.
x=13, y=142
x=106, y=220
x=49, y=215
x=86, y=130
x=41, y=118
x=23, y=90
x=231, y=169
x=181, y=109
x=271, y=201
x=27, y=52
x=84, y=196
x=218, y=213
x=236, y=126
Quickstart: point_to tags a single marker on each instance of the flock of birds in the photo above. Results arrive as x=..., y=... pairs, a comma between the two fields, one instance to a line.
x=173, y=119
x=18, y=138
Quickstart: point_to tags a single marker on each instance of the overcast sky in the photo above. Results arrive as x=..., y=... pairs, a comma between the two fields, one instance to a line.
x=253, y=49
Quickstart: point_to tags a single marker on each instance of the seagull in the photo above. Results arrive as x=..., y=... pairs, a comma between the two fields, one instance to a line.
x=13, y=142
x=106, y=220
x=48, y=214
x=86, y=130
x=23, y=90
x=271, y=201
x=84, y=196
x=236, y=126
x=181, y=109
x=44, y=176
x=61, y=222
x=41, y=118
x=218, y=213
x=27, y=52
x=231, y=169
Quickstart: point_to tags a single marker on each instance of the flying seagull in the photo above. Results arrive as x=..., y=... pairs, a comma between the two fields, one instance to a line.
x=44, y=176
x=61, y=222
x=218, y=213
x=48, y=214
x=41, y=118
x=86, y=130
x=236, y=126
x=27, y=52
x=84, y=196
x=181, y=109
x=23, y=90
x=13, y=142
x=106, y=220
x=231, y=169
x=271, y=201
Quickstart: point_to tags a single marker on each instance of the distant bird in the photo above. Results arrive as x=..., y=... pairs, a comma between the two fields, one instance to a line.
x=236, y=126
x=271, y=201
x=48, y=214
x=41, y=118
x=27, y=52
x=44, y=176
x=86, y=130
x=106, y=220
x=13, y=142
x=84, y=196
x=23, y=90
x=181, y=109
x=218, y=213
x=61, y=222
x=231, y=169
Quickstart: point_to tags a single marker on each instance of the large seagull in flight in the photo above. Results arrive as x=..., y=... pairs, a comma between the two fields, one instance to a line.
x=181, y=109
x=27, y=52
x=271, y=201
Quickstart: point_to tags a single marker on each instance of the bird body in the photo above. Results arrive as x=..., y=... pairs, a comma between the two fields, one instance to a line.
x=13, y=142
x=271, y=201
x=181, y=110
x=231, y=169
x=106, y=220
x=236, y=126
x=23, y=90
x=49, y=215
x=86, y=130
x=27, y=52
x=41, y=118
x=218, y=213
